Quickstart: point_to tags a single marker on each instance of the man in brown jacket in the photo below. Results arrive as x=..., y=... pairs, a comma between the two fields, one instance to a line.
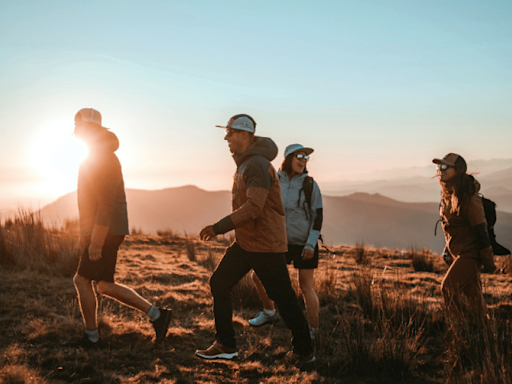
x=260, y=231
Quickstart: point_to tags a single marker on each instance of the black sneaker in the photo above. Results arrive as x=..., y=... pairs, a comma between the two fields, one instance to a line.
x=161, y=324
x=85, y=343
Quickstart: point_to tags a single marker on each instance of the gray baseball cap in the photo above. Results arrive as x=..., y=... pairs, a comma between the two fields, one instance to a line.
x=241, y=122
x=292, y=148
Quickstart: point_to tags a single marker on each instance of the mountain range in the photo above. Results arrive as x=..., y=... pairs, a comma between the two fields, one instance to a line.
x=372, y=219
x=418, y=184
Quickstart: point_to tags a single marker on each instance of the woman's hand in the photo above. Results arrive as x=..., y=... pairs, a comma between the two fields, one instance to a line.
x=307, y=254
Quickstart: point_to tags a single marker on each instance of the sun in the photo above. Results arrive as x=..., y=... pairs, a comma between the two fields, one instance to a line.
x=56, y=155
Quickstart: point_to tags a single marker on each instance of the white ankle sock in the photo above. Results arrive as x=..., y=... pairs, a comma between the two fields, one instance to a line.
x=93, y=335
x=271, y=312
x=153, y=313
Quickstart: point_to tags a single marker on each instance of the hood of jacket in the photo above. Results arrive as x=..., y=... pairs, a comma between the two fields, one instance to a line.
x=263, y=146
x=106, y=141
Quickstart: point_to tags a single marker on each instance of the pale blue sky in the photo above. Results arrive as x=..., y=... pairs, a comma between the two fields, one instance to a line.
x=369, y=84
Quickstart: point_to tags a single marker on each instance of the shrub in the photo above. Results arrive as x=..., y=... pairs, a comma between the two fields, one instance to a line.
x=191, y=248
x=325, y=284
x=27, y=244
x=168, y=235
x=479, y=350
x=361, y=254
x=137, y=231
x=421, y=260
x=210, y=259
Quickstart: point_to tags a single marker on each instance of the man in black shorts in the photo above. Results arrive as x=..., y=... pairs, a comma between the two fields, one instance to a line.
x=103, y=226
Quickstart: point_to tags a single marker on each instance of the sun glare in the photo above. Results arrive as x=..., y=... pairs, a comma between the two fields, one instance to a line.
x=56, y=155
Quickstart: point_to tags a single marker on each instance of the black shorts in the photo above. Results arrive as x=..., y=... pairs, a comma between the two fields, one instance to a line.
x=104, y=268
x=294, y=254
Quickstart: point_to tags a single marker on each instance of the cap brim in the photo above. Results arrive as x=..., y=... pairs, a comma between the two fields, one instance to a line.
x=308, y=150
x=235, y=128
x=438, y=161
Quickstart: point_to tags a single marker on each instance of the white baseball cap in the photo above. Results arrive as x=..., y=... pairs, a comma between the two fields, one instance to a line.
x=89, y=115
x=292, y=148
x=241, y=122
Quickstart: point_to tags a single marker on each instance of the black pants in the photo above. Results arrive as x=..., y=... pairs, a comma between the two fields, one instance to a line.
x=273, y=273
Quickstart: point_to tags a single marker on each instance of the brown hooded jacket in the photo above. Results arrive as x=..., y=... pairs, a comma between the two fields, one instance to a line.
x=466, y=232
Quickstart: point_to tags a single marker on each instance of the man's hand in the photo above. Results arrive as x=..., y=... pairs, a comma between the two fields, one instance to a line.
x=307, y=254
x=207, y=233
x=94, y=252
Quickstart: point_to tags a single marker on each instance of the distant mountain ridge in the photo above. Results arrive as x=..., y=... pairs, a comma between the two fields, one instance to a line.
x=366, y=218
x=496, y=184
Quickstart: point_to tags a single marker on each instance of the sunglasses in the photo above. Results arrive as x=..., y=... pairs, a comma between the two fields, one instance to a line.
x=230, y=132
x=301, y=156
x=444, y=167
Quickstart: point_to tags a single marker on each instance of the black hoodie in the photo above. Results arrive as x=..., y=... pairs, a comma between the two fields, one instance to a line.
x=101, y=196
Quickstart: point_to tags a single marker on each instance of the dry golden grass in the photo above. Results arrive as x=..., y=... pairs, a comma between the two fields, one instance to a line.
x=381, y=321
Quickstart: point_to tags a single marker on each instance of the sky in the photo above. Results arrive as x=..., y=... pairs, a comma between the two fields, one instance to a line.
x=370, y=85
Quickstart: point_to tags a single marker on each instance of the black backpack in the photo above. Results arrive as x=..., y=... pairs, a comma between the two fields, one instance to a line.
x=490, y=217
x=307, y=188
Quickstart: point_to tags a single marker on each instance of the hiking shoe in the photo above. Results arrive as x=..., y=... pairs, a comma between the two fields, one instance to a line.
x=217, y=351
x=309, y=359
x=162, y=324
x=263, y=318
x=312, y=333
x=298, y=360
x=85, y=343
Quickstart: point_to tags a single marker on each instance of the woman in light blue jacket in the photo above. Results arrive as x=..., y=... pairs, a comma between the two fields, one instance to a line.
x=303, y=224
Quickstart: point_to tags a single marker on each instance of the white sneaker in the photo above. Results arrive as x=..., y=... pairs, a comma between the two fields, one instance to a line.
x=313, y=332
x=263, y=318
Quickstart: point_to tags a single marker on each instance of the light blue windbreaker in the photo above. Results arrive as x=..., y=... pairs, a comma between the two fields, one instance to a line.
x=301, y=228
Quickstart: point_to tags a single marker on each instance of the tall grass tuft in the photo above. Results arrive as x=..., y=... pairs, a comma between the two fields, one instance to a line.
x=480, y=348
x=362, y=282
x=507, y=265
x=325, y=284
x=388, y=333
x=168, y=235
x=137, y=231
x=361, y=254
x=421, y=260
x=27, y=244
x=191, y=248
x=211, y=259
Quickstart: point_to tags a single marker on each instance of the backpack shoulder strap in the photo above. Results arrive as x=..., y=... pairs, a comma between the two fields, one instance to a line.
x=307, y=187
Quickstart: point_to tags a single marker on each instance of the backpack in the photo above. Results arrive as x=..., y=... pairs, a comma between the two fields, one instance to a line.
x=490, y=217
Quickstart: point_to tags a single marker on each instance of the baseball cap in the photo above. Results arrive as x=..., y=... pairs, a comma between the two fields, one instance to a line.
x=241, y=122
x=89, y=115
x=454, y=160
x=296, y=147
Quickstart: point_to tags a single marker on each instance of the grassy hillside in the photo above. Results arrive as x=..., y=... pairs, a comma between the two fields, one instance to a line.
x=382, y=320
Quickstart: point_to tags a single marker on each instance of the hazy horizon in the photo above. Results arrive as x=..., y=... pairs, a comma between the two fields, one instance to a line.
x=370, y=85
